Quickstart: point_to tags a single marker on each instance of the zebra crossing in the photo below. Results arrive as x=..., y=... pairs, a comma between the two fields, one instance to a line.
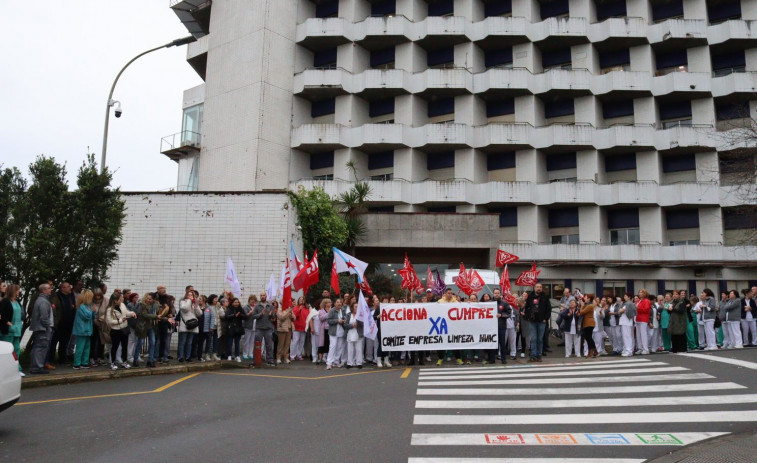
x=624, y=411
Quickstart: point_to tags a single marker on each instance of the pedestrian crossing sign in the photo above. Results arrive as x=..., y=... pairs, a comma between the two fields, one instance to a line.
x=556, y=439
x=505, y=439
x=607, y=439
x=659, y=439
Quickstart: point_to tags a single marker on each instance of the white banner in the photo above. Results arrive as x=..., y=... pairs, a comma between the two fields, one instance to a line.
x=432, y=326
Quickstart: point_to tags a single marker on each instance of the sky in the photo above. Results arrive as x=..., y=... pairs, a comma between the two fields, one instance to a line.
x=59, y=61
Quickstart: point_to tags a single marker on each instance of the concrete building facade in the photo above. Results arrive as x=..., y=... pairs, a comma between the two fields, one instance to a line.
x=593, y=137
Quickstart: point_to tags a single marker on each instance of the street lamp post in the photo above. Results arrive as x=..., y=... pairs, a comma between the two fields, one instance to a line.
x=111, y=102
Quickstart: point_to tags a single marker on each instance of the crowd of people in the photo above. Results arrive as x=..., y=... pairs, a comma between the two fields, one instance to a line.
x=90, y=328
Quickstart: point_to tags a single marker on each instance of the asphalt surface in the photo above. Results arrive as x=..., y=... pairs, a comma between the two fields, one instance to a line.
x=302, y=413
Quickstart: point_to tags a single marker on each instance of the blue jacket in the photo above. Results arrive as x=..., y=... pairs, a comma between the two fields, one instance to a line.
x=209, y=319
x=83, y=321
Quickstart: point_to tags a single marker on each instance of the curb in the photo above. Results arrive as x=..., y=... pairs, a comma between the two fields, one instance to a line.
x=34, y=381
x=735, y=448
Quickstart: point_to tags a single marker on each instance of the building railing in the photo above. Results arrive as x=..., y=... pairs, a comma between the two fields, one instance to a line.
x=185, y=138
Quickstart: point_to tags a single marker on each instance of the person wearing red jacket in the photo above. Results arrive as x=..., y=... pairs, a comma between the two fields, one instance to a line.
x=301, y=312
x=643, y=312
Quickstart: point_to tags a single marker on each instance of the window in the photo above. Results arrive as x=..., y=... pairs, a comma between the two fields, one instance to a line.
x=675, y=114
x=618, y=112
x=497, y=161
x=382, y=177
x=674, y=61
x=383, y=7
x=620, y=162
x=441, y=111
x=436, y=161
x=508, y=216
x=561, y=161
x=380, y=209
x=322, y=111
x=498, y=8
x=684, y=162
x=327, y=9
x=558, y=108
x=667, y=9
x=383, y=59
x=565, y=239
x=499, y=58
x=322, y=160
x=500, y=111
x=441, y=8
x=325, y=59
x=610, y=9
x=739, y=218
x=682, y=218
x=554, y=8
x=723, y=11
x=191, y=127
x=624, y=236
x=563, y=217
x=683, y=243
x=441, y=58
x=381, y=165
x=558, y=59
x=618, y=60
x=728, y=63
x=613, y=288
x=382, y=111
x=324, y=177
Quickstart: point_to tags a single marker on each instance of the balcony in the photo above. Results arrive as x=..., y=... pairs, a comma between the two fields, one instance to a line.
x=540, y=194
x=181, y=144
x=693, y=31
x=194, y=14
x=197, y=55
x=737, y=29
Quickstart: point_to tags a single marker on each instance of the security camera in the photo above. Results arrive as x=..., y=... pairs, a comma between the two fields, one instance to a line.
x=116, y=107
x=118, y=112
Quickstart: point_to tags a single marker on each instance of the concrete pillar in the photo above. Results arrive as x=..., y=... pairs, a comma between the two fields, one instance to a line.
x=587, y=166
x=639, y=9
x=470, y=110
x=413, y=10
x=351, y=111
x=470, y=209
x=588, y=110
x=750, y=58
x=305, y=10
x=299, y=166
x=342, y=157
x=410, y=110
x=472, y=10
x=470, y=164
x=648, y=166
x=703, y=111
x=410, y=57
x=530, y=109
x=410, y=164
x=645, y=110
x=527, y=55
x=301, y=112
x=585, y=56
x=303, y=59
x=694, y=9
x=531, y=166
x=583, y=9
x=470, y=56
x=707, y=166
x=528, y=9
x=641, y=58
x=353, y=58
x=748, y=10
x=533, y=225
x=699, y=59
x=710, y=225
x=589, y=230
x=650, y=224
x=354, y=10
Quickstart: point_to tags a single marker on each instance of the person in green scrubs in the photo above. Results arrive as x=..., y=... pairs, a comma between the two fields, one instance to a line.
x=11, y=319
x=667, y=306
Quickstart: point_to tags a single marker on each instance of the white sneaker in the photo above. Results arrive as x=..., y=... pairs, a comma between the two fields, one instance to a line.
x=522, y=355
x=113, y=366
x=287, y=361
x=202, y=359
x=328, y=367
x=239, y=360
x=229, y=358
x=567, y=356
x=645, y=352
x=216, y=357
x=626, y=355
x=22, y=374
x=278, y=361
x=378, y=364
x=739, y=347
x=125, y=366
x=387, y=362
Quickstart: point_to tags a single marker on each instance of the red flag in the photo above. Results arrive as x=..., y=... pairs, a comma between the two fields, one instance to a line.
x=335, y=279
x=504, y=284
x=529, y=277
x=308, y=275
x=429, y=278
x=475, y=281
x=410, y=279
x=504, y=258
x=286, y=298
x=462, y=281
x=365, y=287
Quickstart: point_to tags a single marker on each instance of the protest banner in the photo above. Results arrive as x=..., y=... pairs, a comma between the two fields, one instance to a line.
x=433, y=326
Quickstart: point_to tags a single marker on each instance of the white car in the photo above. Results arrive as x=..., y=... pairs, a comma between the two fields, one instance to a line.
x=10, y=380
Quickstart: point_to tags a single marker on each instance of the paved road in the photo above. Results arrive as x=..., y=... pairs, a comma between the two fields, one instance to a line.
x=307, y=414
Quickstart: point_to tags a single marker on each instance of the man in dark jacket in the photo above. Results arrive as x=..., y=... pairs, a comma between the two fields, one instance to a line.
x=64, y=312
x=504, y=312
x=264, y=314
x=40, y=326
x=537, y=311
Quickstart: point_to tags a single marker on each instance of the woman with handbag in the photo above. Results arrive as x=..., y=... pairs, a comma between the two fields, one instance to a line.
x=117, y=316
x=165, y=327
x=188, y=326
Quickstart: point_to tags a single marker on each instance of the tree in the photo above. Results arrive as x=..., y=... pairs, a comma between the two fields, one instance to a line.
x=352, y=204
x=52, y=234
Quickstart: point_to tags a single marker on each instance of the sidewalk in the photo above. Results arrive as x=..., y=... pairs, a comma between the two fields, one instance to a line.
x=733, y=448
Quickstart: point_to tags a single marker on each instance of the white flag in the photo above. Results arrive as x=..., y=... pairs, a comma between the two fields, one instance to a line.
x=365, y=315
x=347, y=263
x=283, y=280
x=231, y=278
x=270, y=290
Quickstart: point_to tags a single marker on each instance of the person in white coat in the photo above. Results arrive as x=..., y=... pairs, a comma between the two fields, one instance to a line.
x=655, y=334
x=616, y=338
x=626, y=322
x=598, y=334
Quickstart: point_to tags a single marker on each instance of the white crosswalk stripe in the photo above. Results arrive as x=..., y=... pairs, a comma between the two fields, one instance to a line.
x=576, y=394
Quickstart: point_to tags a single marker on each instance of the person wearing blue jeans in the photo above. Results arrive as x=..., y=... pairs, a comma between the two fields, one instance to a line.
x=537, y=311
x=188, y=310
x=147, y=312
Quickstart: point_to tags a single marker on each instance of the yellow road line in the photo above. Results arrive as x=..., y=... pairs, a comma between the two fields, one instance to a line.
x=174, y=383
x=83, y=398
x=406, y=373
x=302, y=377
x=103, y=396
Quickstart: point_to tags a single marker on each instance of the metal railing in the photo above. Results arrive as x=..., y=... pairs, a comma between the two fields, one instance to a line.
x=185, y=138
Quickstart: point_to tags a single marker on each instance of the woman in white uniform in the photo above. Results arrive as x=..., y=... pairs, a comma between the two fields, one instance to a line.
x=626, y=322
